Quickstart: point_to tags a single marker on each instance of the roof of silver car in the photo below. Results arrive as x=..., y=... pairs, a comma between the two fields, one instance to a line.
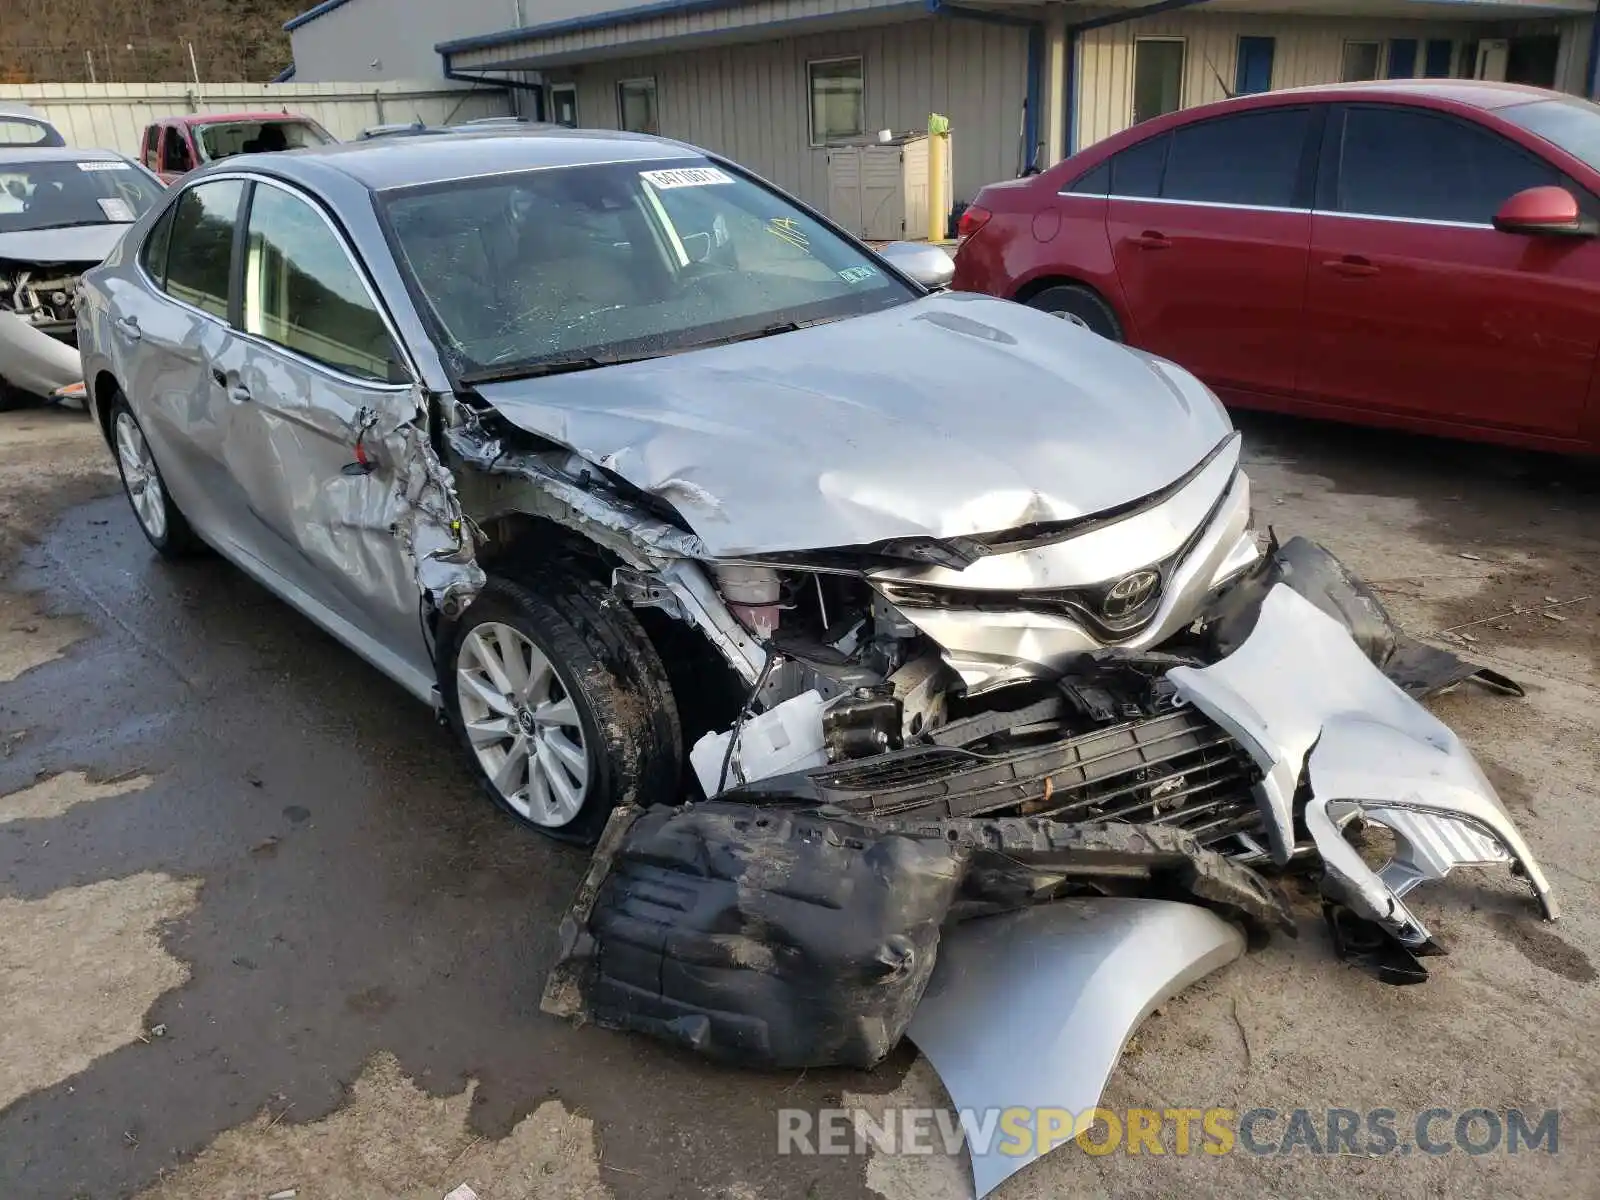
x=384, y=163
x=21, y=154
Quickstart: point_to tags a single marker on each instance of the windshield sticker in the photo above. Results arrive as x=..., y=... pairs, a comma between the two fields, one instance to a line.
x=679, y=177
x=117, y=209
x=856, y=274
x=109, y=164
x=789, y=230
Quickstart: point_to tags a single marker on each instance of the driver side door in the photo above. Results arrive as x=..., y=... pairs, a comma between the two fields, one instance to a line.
x=1417, y=306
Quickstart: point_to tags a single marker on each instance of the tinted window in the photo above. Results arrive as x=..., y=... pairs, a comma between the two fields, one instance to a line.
x=1569, y=122
x=201, y=246
x=151, y=137
x=302, y=291
x=1253, y=158
x=1137, y=170
x=1395, y=163
x=154, y=252
x=1092, y=183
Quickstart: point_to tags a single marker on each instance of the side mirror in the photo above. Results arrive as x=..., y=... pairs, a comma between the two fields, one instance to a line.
x=928, y=265
x=1544, y=211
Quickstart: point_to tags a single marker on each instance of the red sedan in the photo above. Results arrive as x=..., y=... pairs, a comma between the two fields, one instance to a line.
x=1417, y=254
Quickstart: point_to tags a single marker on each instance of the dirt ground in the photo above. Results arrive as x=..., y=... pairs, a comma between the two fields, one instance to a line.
x=260, y=936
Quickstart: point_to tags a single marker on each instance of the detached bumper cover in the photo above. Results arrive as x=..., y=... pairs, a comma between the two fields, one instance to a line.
x=774, y=938
x=1312, y=708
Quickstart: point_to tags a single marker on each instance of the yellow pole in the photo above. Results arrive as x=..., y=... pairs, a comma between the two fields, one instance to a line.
x=938, y=205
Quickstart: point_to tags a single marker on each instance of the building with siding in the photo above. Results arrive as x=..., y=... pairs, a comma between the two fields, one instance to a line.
x=770, y=83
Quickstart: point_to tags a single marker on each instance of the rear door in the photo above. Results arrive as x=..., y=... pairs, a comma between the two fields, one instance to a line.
x=312, y=365
x=1209, y=227
x=1417, y=305
x=167, y=335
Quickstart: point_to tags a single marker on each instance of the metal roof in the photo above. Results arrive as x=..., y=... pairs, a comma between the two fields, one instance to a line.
x=381, y=164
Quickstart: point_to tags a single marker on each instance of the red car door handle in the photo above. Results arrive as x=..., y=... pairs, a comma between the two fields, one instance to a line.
x=1352, y=265
x=1150, y=239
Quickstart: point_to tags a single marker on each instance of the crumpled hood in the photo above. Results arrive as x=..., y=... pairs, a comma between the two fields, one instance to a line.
x=82, y=245
x=952, y=415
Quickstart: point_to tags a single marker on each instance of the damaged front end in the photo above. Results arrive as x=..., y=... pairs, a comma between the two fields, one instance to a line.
x=38, y=329
x=1032, y=780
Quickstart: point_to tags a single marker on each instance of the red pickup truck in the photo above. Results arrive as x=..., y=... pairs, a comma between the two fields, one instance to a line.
x=174, y=146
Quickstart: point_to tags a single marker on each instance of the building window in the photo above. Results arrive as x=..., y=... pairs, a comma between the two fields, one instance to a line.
x=1254, y=71
x=1402, y=58
x=837, y=110
x=636, y=105
x=1439, y=62
x=1157, y=77
x=564, y=104
x=1360, y=61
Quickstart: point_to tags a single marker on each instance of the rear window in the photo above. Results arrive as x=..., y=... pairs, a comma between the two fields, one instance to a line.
x=225, y=139
x=1569, y=123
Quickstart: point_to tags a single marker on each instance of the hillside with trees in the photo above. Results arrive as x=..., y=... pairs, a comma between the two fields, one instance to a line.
x=144, y=41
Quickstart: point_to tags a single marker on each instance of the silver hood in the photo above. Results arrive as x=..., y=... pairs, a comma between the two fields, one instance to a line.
x=85, y=244
x=952, y=415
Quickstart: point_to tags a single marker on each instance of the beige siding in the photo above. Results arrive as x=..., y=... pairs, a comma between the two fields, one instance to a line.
x=111, y=116
x=750, y=102
x=614, y=39
x=1309, y=50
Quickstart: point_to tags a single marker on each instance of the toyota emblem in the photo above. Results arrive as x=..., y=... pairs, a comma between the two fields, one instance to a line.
x=1128, y=594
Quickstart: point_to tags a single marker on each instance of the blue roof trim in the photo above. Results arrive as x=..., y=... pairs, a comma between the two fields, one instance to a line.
x=285, y=75
x=311, y=14
x=617, y=16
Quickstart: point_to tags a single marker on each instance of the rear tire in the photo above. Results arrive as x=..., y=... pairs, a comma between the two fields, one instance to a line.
x=1082, y=306
x=160, y=520
x=561, y=703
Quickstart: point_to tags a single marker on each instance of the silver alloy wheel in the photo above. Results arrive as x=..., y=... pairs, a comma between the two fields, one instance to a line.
x=140, y=477
x=522, y=724
x=1074, y=318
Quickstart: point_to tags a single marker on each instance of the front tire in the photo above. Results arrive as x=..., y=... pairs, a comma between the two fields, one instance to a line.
x=163, y=525
x=1082, y=306
x=561, y=703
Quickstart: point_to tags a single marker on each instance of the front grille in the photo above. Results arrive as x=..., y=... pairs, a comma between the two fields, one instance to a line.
x=1175, y=769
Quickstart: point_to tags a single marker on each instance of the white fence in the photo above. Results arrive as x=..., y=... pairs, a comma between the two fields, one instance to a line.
x=111, y=116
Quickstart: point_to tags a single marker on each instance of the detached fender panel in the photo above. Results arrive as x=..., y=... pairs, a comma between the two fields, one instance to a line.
x=1031, y=1009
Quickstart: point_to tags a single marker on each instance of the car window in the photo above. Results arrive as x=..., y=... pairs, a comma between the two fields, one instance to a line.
x=1250, y=158
x=1399, y=163
x=621, y=259
x=152, y=138
x=201, y=245
x=65, y=193
x=225, y=139
x=1095, y=182
x=153, y=254
x=1570, y=123
x=302, y=291
x=1137, y=170
x=175, y=154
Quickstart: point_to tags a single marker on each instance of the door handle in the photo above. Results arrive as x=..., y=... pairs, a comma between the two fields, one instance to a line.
x=239, y=393
x=1152, y=239
x=1352, y=266
x=130, y=328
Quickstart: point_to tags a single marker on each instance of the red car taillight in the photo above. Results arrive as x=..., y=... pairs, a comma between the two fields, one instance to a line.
x=972, y=220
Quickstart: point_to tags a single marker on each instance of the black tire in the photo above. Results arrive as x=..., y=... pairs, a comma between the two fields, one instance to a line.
x=12, y=399
x=171, y=534
x=606, y=666
x=1082, y=305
